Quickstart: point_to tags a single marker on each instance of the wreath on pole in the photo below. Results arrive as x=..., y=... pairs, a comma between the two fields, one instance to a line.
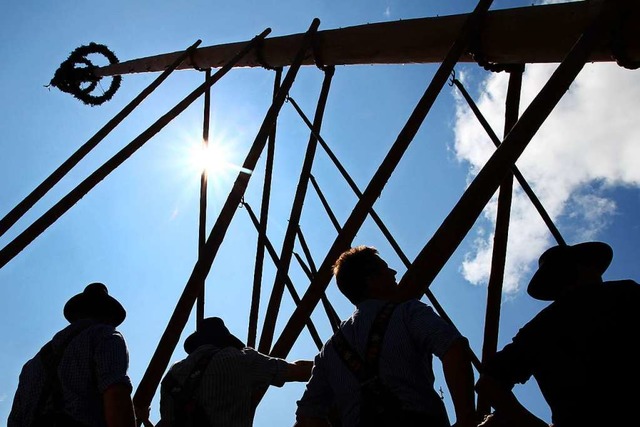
x=76, y=75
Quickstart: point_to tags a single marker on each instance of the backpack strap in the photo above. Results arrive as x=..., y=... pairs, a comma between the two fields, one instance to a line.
x=50, y=359
x=183, y=394
x=365, y=369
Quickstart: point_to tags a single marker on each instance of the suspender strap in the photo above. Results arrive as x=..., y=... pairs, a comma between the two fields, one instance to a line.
x=349, y=356
x=376, y=336
x=367, y=369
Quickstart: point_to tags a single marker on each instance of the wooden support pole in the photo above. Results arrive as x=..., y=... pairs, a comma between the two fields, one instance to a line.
x=264, y=216
x=507, y=36
x=325, y=204
x=202, y=229
x=499, y=255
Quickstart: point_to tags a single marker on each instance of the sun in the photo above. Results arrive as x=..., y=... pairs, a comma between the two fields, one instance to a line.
x=213, y=158
x=217, y=160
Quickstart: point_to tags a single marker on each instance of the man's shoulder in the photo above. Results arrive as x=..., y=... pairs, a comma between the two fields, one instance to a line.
x=628, y=284
x=87, y=329
x=414, y=307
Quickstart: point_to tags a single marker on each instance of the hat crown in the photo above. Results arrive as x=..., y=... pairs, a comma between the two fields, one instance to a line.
x=96, y=289
x=560, y=265
x=211, y=330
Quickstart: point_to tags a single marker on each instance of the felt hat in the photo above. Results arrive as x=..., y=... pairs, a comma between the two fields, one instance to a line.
x=211, y=331
x=95, y=303
x=558, y=266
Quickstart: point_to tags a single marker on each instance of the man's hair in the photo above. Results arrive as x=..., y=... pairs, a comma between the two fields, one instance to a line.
x=351, y=270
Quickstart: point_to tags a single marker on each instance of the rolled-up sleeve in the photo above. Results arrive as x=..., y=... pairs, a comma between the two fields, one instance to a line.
x=429, y=332
x=266, y=370
x=112, y=361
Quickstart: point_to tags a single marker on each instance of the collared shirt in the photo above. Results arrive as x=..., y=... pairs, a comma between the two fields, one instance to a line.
x=93, y=361
x=227, y=384
x=414, y=334
x=582, y=350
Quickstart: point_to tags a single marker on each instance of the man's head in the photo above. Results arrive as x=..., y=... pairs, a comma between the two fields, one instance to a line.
x=361, y=274
x=565, y=267
x=212, y=331
x=95, y=303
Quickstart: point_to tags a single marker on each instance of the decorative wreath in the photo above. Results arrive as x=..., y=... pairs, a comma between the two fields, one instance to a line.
x=76, y=75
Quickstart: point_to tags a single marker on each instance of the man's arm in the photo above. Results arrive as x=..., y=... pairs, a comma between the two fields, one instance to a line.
x=458, y=372
x=508, y=409
x=118, y=407
x=299, y=371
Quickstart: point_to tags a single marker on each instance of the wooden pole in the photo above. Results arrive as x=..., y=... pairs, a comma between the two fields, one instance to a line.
x=531, y=34
x=202, y=226
x=501, y=237
x=264, y=216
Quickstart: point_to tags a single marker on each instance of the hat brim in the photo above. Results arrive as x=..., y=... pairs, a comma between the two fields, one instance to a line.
x=198, y=339
x=103, y=307
x=550, y=279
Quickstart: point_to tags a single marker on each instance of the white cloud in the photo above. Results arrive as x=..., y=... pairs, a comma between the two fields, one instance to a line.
x=588, y=145
x=387, y=12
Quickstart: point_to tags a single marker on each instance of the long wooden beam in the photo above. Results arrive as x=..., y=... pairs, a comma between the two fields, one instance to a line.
x=533, y=34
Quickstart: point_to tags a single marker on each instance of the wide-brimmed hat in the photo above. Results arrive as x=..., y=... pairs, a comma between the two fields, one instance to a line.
x=95, y=303
x=557, y=267
x=211, y=331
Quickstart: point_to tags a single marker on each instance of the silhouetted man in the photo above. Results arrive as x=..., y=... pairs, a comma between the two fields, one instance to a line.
x=582, y=349
x=217, y=383
x=414, y=334
x=79, y=378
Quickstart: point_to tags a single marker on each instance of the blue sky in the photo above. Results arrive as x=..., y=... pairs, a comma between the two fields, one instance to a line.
x=137, y=230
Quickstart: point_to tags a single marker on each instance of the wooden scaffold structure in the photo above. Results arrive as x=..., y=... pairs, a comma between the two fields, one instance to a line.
x=575, y=34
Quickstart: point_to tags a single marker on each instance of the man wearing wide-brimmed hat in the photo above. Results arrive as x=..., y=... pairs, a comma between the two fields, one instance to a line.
x=582, y=349
x=217, y=382
x=79, y=378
